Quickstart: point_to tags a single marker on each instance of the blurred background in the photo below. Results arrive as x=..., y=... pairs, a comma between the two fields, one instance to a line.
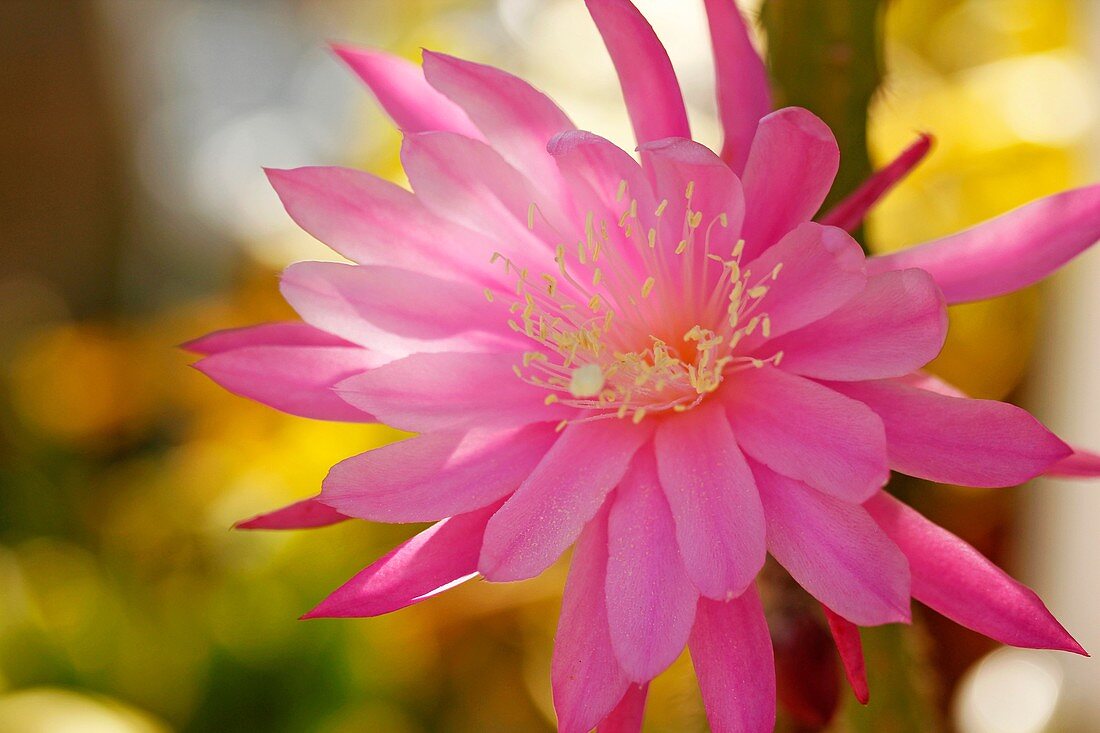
x=134, y=216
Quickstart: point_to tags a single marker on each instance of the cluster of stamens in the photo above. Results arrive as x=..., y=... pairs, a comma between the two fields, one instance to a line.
x=596, y=321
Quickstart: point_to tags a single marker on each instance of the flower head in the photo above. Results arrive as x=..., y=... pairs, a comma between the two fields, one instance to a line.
x=661, y=359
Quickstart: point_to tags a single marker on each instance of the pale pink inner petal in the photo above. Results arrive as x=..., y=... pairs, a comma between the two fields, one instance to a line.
x=587, y=680
x=650, y=599
x=719, y=519
x=895, y=326
x=817, y=269
x=395, y=311
x=565, y=490
x=426, y=392
x=790, y=170
x=801, y=429
x=835, y=551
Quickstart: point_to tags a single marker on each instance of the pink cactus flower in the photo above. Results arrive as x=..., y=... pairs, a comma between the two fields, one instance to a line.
x=661, y=360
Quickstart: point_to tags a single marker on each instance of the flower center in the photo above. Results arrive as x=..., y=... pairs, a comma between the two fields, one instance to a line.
x=632, y=323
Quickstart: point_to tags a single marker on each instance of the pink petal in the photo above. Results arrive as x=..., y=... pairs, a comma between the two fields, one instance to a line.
x=1082, y=464
x=719, y=519
x=821, y=268
x=953, y=578
x=731, y=650
x=895, y=326
x=401, y=89
x=835, y=551
x=930, y=382
x=395, y=311
x=744, y=97
x=566, y=489
x=305, y=514
x=374, y=222
x=628, y=715
x=1009, y=252
x=517, y=119
x=593, y=170
x=789, y=171
x=679, y=167
x=468, y=182
x=848, y=643
x=649, y=84
x=587, y=680
x=849, y=213
x=808, y=432
x=433, y=561
x=650, y=600
x=295, y=379
x=957, y=440
x=279, y=333
x=427, y=392
x=436, y=475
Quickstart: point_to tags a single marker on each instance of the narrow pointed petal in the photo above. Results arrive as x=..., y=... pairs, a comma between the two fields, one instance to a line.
x=277, y=333
x=395, y=311
x=791, y=166
x=956, y=440
x=895, y=326
x=433, y=561
x=400, y=87
x=374, y=222
x=816, y=270
x=808, y=432
x=849, y=213
x=719, y=519
x=298, y=380
x=954, y=579
x=650, y=599
x=1009, y=252
x=1081, y=464
x=649, y=84
x=516, y=118
x=628, y=715
x=587, y=680
x=305, y=514
x=436, y=475
x=744, y=97
x=850, y=647
x=566, y=489
x=731, y=650
x=835, y=551
x=444, y=391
